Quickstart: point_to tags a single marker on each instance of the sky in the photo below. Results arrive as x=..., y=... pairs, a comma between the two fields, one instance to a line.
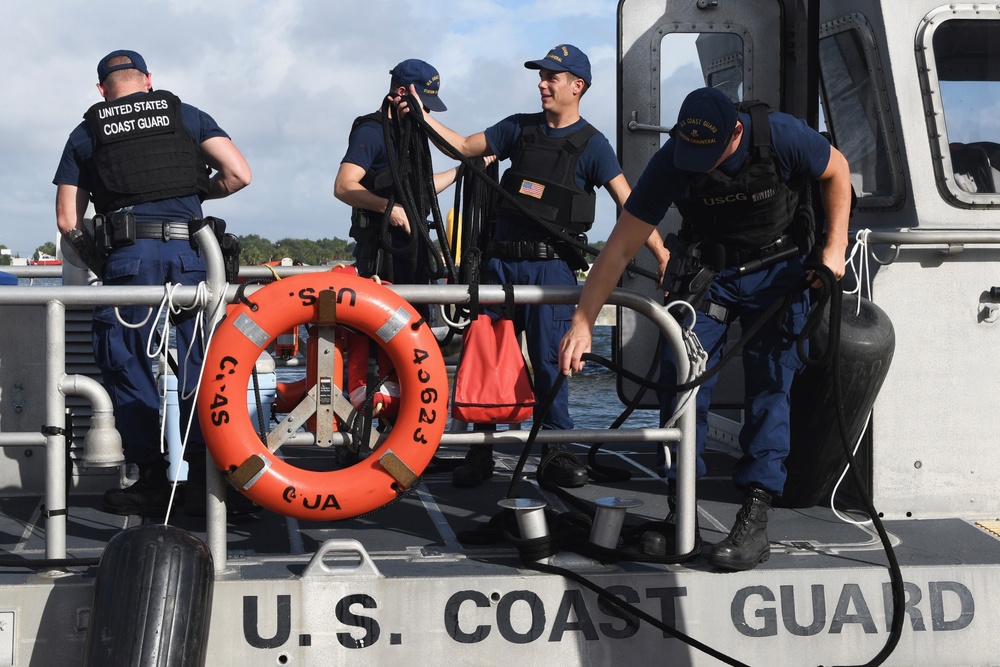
x=285, y=78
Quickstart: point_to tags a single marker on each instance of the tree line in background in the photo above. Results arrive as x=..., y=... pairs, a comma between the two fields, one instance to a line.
x=257, y=250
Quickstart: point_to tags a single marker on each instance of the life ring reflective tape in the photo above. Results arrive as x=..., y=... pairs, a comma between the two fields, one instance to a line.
x=393, y=466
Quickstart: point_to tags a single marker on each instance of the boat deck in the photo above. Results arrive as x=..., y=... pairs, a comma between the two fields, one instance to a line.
x=428, y=524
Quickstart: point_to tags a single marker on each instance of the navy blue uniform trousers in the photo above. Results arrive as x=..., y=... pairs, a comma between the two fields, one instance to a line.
x=120, y=351
x=770, y=362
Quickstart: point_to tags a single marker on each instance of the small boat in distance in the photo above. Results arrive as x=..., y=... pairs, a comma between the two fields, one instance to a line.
x=45, y=260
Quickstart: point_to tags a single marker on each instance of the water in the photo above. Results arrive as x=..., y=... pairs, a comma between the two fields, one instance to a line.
x=593, y=397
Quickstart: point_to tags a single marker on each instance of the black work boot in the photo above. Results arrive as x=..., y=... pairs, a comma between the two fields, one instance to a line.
x=148, y=496
x=661, y=541
x=559, y=467
x=478, y=467
x=195, y=489
x=747, y=544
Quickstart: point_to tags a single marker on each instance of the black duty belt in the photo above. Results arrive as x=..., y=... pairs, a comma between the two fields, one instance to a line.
x=164, y=231
x=518, y=250
x=738, y=256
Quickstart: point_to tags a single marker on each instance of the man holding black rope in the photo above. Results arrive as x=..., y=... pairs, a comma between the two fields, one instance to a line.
x=735, y=176
x=365, y=182
x=557, y=161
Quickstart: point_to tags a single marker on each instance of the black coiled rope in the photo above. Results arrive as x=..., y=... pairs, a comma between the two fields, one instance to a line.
x=413, y=189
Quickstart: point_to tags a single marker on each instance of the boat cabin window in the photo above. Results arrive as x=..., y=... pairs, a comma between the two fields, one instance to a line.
x=693, y=60
x=854, y=110
x=963, y=82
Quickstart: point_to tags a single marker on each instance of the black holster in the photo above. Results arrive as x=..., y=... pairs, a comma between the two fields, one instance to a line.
x=569, y=253
x=229, y=244
x=84, y=245
x=688, y=276
x=369, y=258
x=114, y=231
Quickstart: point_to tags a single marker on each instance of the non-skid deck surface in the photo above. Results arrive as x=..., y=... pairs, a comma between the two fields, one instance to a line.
x=427, y=525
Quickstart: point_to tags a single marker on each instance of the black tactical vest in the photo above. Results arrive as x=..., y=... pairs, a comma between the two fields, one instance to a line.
x=542, y=177
x=750, y=209
x=142, y=152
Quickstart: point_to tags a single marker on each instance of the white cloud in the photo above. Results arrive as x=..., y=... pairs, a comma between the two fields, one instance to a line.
x=285, y=79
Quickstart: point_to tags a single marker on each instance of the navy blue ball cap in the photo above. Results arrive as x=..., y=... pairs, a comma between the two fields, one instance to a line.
x=564, y=58
x=136, y=62
x=424, y=77
x=705, y=124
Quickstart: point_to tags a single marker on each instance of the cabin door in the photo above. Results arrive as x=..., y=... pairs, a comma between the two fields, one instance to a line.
x=665, y=50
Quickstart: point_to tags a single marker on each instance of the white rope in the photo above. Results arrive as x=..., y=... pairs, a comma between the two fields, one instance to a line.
x=129, y=325
x=201, y=302
x=696, y=354
x=860, y=266
x=836, y=487
x=160, y=348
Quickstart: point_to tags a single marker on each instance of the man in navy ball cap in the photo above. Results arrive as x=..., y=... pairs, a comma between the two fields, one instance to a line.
x=564, y=58
x=423, y=77
x=388, y=243
x=735, y=176
x=364, y=182
x=119, y=60
x=557, y=161
x=147, y=161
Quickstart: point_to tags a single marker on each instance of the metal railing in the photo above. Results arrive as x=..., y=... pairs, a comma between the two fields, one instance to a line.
x=56, y=298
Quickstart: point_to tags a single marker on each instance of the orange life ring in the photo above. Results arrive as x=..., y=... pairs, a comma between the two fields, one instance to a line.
x=393, y=466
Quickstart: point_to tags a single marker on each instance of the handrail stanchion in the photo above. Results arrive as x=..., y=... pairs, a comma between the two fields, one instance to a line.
x=55, y=435
x=215, y=486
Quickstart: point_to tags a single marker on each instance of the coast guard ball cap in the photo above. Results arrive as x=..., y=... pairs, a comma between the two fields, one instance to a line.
x=424, y=77
x=104, y=69
x=564, y=58
x=705, y=124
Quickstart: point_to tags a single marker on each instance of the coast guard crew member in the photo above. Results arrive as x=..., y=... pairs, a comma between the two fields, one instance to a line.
x=143, y=157
x=557, y=161
x=735, y=178
x=365, y=183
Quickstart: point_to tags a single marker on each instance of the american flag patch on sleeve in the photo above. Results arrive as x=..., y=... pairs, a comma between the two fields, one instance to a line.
x=532, y=189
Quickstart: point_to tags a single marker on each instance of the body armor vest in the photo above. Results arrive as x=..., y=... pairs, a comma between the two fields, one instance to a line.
x=142, y=152
x=542, y=177
x=748, y=210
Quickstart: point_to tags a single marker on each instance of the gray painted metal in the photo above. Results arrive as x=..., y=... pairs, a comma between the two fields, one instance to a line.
x=347, y=606
x=643, y=27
